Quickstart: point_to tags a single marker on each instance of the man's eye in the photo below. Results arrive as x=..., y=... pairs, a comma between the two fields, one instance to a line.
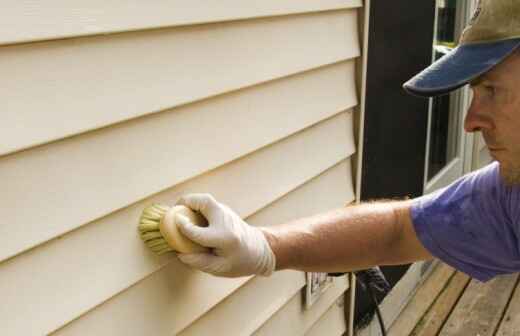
x=490, y=89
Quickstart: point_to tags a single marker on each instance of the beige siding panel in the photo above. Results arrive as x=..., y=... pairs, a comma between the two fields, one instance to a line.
x=250, y=306
x=56, y=89
x=91, y=175
x=103, y=258
x=236, y=315
x=171, y=299
x=332, y=323
x=293, y=319
x=30, y=20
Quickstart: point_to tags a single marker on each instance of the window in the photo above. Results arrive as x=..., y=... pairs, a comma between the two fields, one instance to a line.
x=445, y=124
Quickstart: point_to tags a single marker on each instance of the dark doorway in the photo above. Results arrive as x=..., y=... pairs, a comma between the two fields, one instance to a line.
x=400, y=46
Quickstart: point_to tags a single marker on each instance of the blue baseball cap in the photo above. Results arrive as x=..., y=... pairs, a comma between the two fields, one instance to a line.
x=491, y=36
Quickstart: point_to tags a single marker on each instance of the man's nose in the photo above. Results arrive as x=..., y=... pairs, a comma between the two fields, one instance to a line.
x=477, y=119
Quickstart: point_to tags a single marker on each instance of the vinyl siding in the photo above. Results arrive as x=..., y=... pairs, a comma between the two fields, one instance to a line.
x=239, y=309
x=292, y=319
x=30, y=20
x=90, y=83
x=167, y=149
x=332, y=322
x=96, y=128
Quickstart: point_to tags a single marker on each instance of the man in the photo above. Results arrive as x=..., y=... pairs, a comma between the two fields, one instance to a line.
x=473, y=224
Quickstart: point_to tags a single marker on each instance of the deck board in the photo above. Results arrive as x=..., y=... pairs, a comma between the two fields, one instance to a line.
x=510, y=324
x=433, y=320
x=463, y=306
x=481, y=307
x=424, y=297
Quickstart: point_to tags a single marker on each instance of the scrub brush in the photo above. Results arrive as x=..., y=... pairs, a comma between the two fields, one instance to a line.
x=158, y=229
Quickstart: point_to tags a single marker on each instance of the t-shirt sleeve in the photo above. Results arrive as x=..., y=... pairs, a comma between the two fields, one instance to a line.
x=472, y=224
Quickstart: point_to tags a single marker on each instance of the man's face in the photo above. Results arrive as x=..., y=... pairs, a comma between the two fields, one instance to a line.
x=495, y=111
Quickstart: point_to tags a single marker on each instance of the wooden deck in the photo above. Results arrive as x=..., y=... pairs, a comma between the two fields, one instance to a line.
x=449, y=303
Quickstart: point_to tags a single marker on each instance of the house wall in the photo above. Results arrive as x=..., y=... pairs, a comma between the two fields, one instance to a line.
x=106, y=111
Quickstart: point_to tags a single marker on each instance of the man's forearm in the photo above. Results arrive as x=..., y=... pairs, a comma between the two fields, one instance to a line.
x=347, y=239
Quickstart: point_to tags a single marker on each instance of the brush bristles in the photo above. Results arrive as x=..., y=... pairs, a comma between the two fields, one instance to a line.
x=149, y=228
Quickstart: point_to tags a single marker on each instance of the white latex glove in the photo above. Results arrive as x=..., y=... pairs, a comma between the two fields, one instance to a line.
x=237, y=248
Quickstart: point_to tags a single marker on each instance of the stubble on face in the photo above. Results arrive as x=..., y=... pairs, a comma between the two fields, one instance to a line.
x=510, y=174
x=510, y=163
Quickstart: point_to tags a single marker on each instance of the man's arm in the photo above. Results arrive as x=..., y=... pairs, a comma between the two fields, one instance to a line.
x=348, y=239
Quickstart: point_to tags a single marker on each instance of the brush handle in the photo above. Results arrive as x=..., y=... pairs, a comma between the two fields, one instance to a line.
x=172, y=234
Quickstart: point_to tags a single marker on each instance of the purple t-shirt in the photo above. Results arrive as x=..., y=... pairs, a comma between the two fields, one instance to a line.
x=473, y=224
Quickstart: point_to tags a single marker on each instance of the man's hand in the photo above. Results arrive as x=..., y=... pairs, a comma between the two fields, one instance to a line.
x=237, y=249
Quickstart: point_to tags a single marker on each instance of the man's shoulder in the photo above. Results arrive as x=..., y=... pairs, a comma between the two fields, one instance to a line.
x=485, y=180
x=484, y=192
x=489, y=174
x=484, y=177
x=480, y=186
x=472, y=224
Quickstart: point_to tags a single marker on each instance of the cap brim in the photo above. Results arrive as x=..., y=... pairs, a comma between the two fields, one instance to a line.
x=459, y=67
